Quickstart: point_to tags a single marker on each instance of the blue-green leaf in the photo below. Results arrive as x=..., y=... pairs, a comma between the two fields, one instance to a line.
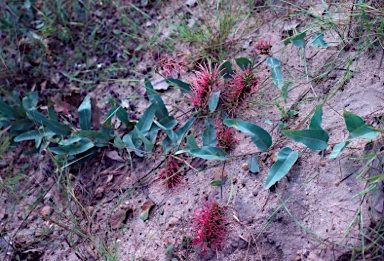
x=317, y=40
x=253, y=164
x=365, y=132
x=213, y=101
x=77, y=147
x=285, y=160
x=316, y=119
x=259, y=136
x=22, y=125
x=118, y=142
x=146, y=120
x=32, y=135
x=313, y=139
x=57, y=127
x=226, y=70
x=209, y=134
x=180, y=133
x=154, y=97
x=244, y=63
x=122, y=115
x=168, y=122
x=8, y=111
x=30, y=101
x=100, y=139
x=209, y=153
x=337, y=149
x=191, y=142
x=128, y=141
x=297, y=40
x=352, y=121
x=184, y=87
x=37, y=117
x=277, y=73
x=148, y=145
x=85, y=113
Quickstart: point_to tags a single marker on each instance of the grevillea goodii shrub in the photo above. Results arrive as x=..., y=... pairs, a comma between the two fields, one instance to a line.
x=209, y=226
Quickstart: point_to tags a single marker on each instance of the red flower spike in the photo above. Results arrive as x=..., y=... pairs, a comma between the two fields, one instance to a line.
x=263, y=47
x=226, y=137
x=171, y=67
x=205, y=82
x=240, y=86
x=209, y=226
x=170, y=175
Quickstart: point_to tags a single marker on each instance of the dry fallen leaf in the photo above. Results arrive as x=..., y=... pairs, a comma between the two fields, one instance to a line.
x=145, y=208
x=114, y=155
x=118, y=219
x=46, y=211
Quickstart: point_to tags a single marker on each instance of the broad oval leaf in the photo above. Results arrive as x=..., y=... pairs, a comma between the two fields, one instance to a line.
x=183, y=87
x=213, y=101
x=154, y=97
x=122, y=115
x=128, y=141
x=85, y=113
x=146, y=120
x=313, y=139
x=317, y=40
x=100, y=139
x=277, y=73
x=191, y=142
x=337, y=149
x=366, y=132
x=77, y=147
x=33, y=135
x=285, y=160
x=58, y=128
x=180, y=133
x=37, y=117
x=352, y=121
x=22, y=125
x=226, y=70
x=30, y=101
x=8, y=111
x=209, y=134
x=259, y=136
x=208, y=153
x=243, y=63
x=118, y=142
x=253, y=164
x=168, y=122
x=298, y=40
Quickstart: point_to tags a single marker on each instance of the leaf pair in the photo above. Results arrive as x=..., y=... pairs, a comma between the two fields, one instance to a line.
x=315, y=137
x=208, y=151
x=357, y=129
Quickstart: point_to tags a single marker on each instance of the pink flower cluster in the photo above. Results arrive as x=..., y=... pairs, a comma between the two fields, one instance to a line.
x=263, y=47
x=170, y=175
x=226, y=137
x=171, y=67
x=209, y=226
x=205, y=82
x=240, y=86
